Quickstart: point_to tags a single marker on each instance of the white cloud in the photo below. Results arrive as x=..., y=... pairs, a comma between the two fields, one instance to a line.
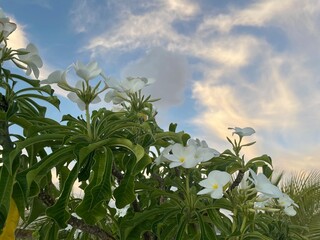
x=246, y=80
x=170, y=71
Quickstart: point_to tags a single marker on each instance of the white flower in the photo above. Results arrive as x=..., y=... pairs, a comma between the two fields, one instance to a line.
x=182, y=156
x=214, y=184
x=87, y=72
x=134, y=84
x=263, y=185
x=115, y=97
x=242, y=132
x=262, y=201
x=161, y=157
x=286, y=202
x=31, y=58
x=74, y=97
x=290, y=211
x=56, y=77
x=6, y=27
x=203, y=152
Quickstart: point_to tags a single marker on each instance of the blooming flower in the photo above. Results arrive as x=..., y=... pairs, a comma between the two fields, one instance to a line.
x=6, y=27
x=134, y=84
x=31, y=58
x=214, y=184
x=127, y=86
x=182, y=156
x=203, y=152
x=58, y=77
x=161, y=157
x=115, y=97
x=262, y=201
x=286, y=202
x=263, y=185
x=87, y=72
x=242, y=132
x=290, y=211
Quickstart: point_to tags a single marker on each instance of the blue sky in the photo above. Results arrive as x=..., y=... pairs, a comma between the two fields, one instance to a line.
x=218, y=64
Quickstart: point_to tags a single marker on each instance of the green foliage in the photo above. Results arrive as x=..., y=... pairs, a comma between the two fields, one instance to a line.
x=118, y=158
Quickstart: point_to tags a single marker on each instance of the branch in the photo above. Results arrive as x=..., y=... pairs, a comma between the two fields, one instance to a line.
x=237, y=181
x=76, y=222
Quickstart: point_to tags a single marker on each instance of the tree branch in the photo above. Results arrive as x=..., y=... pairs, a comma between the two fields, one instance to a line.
x=76, y=222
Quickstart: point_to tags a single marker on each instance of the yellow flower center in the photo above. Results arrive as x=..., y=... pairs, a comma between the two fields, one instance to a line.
x=215, y=186
x=182, y=159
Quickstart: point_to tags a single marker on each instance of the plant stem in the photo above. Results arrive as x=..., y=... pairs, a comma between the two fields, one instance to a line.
x=88, y=121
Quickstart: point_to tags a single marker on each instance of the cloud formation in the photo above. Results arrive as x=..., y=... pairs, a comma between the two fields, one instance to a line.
x=256, y=65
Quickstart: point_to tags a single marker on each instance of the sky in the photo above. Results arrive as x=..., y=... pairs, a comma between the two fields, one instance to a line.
x=217, y=64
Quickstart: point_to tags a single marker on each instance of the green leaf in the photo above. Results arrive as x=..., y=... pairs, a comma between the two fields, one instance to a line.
x=131, y=228
x=124, y=194
x=91, y=209
x=255, y=235
x=137, y=150
x=6, y=184
x=141, y=164
x=262, y=160
x=42, y=167
x=32, y=82
x=58, y=212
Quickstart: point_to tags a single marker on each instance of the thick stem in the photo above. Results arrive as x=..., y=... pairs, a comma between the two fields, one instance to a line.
x=237, y=181
x=76, y=222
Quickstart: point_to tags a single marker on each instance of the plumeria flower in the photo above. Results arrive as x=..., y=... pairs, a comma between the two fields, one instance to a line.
x=134, y=84
x=264, y=186
x=262, y=201
x=31, y=58
x=6, y=27
x=242, y=132
x=87, y=72
x=203, y=152
x=127, y=86
x=82, y=93
x=115, y=97
x=214, y=184
x=58, y=77
x=290, y=211
x=78, y=99
x=286, y=202
x=182, y=156
x=161, y=158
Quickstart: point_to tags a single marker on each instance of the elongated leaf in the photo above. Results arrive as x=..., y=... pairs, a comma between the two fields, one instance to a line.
x=91, y=208
x=41, y=168
x=58, y=212
x=124, y=194
x=141, y=164
x=6, y=185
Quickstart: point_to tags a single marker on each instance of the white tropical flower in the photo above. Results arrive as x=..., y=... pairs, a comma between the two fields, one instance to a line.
x=31, y=58
x=115, y=97
x=242, y=132
x=290, y=211
x=134, y=84
x=203, y=152
x=87, y=72
x=286, y=202
x=182, y=156
x=59, y=77
x=214, y=184
x=262, y=201
x=264, y=186
x=161, y=158
x=6, y=27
